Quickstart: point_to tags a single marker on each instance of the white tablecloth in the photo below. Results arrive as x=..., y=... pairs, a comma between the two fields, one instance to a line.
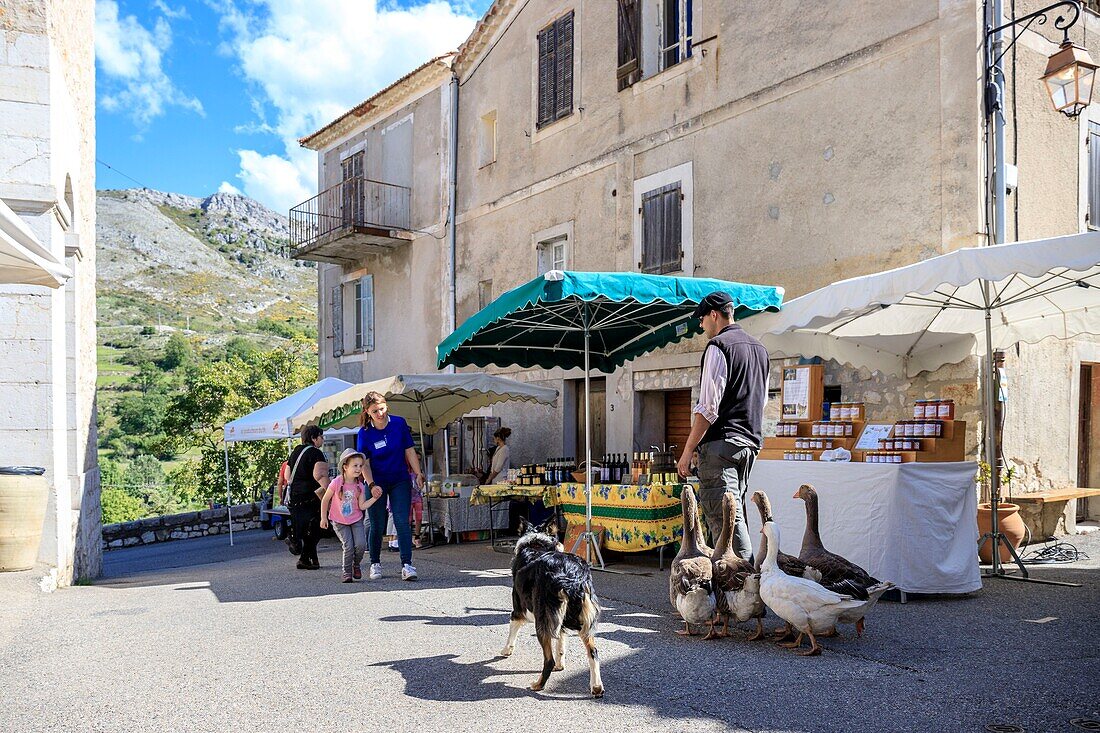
x=458, y=515
x=912, y=523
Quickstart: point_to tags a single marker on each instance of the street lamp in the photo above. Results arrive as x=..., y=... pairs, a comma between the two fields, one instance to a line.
x=1069, y=81
x=1069, y=78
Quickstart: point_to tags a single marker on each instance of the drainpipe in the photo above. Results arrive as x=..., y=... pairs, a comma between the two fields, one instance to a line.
x=452, y=212
x=452, y=199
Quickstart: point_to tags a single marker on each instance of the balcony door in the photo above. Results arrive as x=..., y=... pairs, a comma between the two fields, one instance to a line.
x=390, y=201
x=351, y=198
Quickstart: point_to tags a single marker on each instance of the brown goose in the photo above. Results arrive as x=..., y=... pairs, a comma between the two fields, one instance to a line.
x=690, y=582
x=736, y=582
x=834, y=569
x=789, y=564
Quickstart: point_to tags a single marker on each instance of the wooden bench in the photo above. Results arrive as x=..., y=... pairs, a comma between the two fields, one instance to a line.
x=1044, y=512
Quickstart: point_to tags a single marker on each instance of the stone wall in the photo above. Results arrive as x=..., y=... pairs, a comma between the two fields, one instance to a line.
x=179, y=526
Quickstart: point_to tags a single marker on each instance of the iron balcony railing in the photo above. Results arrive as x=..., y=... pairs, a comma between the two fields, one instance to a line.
x=356, y=202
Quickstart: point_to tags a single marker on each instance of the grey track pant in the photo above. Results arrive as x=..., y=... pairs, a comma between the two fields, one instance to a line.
x=353, y=537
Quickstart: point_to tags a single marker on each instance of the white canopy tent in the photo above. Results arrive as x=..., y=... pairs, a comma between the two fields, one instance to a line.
x=925, y=315
x=23, y=260
x=273, y=423
x=919, y=317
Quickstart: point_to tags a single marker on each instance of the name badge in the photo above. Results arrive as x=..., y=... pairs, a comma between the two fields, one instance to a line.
x=379, y=445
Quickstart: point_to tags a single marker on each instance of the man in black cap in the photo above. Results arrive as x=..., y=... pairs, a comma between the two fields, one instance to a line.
x=726, y=422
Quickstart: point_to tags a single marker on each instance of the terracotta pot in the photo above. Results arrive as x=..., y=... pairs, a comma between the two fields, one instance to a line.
x=1010, y=524
x=23, y=495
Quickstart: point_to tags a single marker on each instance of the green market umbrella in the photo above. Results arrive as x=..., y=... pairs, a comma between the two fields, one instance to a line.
x=591, y=320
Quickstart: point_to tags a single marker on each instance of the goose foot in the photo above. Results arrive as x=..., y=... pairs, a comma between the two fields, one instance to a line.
x=859, y=628
x=713, y=634
x=784, y=633
x=814, y=649
x=830, y=633
x=686, y=631
x=759, y=631
x=794, y=644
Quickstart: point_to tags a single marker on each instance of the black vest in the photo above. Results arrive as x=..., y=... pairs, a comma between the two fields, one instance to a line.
x=741, y=409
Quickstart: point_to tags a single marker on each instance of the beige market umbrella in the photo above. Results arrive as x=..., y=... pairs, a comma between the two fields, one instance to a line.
x=23, y=260
x=428, y=401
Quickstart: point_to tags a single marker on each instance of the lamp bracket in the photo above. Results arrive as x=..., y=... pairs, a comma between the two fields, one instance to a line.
x=1039, y=17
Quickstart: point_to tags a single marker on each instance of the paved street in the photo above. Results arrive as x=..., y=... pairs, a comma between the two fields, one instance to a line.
x=198, y=636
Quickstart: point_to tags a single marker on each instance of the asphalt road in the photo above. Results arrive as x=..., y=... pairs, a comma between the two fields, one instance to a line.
x=198, y=636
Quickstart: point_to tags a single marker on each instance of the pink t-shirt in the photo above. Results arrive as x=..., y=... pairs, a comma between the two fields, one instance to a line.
x=344, y=507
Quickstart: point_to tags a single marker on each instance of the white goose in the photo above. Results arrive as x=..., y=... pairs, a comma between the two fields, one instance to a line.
x=804, y=604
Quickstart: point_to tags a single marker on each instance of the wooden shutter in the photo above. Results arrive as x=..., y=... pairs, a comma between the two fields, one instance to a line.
x=366, y=313
x=564, y=67
x=337, y=321
x=1093, y=214
x=662, y=249
x=547, y=51
x=630, y=66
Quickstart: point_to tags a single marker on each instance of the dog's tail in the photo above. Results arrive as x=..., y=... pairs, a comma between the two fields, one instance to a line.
x=590, y=609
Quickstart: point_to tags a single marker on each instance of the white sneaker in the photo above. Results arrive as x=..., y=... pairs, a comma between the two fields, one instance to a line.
x=408, y=572
x=375, y=571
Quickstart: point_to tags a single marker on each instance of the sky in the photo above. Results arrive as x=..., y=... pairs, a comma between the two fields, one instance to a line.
x=199, y=96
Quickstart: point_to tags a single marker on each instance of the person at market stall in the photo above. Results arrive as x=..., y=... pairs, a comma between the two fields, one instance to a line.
x=726, y=425
x=502, y=457
x=308, y=481
x=387, y=443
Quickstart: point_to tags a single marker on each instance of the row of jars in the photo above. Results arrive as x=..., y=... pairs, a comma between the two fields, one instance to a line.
x=903, y=444
x=832, y=429
x=813, y=444
x=918, y=429
x=934, y=410
x=846, y=411
x=881, y=457
x=786, y=430
x=798, y=455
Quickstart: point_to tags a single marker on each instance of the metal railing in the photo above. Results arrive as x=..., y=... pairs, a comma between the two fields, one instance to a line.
x=355, y=202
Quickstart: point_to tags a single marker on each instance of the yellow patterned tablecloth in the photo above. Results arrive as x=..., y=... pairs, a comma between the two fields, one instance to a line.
x=500, y=492
x=636, y=517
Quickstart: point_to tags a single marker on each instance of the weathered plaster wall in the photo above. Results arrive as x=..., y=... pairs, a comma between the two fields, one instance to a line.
x=47, y=176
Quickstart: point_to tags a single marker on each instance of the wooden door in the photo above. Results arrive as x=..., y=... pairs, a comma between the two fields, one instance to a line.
x=1088, y=432
x=677, y=418
x=598, y=388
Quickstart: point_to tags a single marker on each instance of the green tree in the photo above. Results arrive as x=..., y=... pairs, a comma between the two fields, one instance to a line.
x=110, y=473
x=141, y=414
x=177, y=352
x=214, y=394
x=239, y=347
x=118, y=506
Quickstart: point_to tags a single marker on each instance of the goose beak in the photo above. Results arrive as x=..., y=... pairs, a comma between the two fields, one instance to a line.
x=796, y=495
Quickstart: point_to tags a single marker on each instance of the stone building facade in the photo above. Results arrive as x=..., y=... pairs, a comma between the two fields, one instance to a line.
x=791, y=145
x=47, y=177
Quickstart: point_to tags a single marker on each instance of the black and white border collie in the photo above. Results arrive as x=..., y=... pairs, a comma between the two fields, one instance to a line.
x=554, y=589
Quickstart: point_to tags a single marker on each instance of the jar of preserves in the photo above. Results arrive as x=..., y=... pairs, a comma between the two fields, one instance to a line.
x=945, y=410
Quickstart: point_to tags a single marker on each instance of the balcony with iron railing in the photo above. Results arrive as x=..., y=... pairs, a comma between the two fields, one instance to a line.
x=356, y=217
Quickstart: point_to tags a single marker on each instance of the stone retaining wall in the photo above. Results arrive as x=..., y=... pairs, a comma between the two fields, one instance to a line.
x=179, y=526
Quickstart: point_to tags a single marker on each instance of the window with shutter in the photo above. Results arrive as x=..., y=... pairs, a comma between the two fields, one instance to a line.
x=662, y=250
x=365, y=312
x=1093, y=214
x=555, y=71
x=338, y=321
x=351, y=172
x=630, y=66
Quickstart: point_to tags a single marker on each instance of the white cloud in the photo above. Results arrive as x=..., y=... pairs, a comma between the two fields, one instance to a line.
x=130, y=57
x=228, y=187
x=312, y=60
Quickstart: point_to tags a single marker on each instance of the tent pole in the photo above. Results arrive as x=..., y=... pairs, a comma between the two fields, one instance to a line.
x=588, y=537
x=228, y=500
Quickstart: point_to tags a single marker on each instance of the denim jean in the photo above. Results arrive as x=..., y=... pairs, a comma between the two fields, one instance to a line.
x=400, y=498
x=725, y=466
x=353, y=538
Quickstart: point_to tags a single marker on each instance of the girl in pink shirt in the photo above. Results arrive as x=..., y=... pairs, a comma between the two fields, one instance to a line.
x=343, y=505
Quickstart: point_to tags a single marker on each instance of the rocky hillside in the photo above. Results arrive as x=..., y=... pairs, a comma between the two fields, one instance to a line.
x=211, y=266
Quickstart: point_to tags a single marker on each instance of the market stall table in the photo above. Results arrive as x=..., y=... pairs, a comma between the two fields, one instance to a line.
x=914, y=524
x=495, y=494
x=457, y=514
x=635, y=518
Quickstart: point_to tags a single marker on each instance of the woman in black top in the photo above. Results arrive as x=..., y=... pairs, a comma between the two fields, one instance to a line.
x=308, y=481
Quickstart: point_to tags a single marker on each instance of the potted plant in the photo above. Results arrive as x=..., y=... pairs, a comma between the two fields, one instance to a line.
x=1009, y=521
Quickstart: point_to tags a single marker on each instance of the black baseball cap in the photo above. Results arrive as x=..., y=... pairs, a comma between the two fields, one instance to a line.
x=713, y=302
